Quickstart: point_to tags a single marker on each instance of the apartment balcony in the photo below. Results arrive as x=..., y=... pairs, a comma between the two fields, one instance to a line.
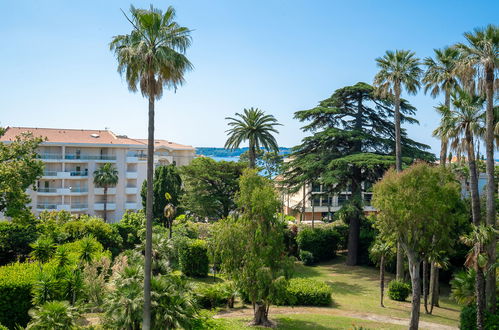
x=84, y=158
x=131, y=190
x=47, y=157
x=75, y=191
x=49, y=174
x=62, y=207
x=100, y=206
x=130, y=206
x=47, y=191
x=73, y=174
x=132, y=159
x=46, y=206
x=131, y=175
x=100, y=191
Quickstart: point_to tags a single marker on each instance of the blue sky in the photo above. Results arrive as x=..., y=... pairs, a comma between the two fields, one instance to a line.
x=281, y=56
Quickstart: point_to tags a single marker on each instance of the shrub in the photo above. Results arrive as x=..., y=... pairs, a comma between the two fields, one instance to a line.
x=468, y=318
x=194, y=258
x=306, y=257
x=3, y=327
x=215, y=295
x=398, y=290
x=307, y=292
x=342, y=229
x=290, y=233
x=321, y=242
x=15, y=241
x=16, y=281
x=57, y=315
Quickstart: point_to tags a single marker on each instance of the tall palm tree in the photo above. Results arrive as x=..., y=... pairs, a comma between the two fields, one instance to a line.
x=254, y=126
x=152, y=57
x=398, y=69
x=441, y=76
x=482, y=53
x=105, y=177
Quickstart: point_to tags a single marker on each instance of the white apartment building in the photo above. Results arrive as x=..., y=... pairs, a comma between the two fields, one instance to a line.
x=72, y=155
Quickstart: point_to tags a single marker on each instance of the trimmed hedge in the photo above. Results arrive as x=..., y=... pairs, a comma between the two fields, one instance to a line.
x=193, y=258
x=307, y=292
x=306, y=257
x=322, y=242
x=398, y=290
x=16, y=281
x=215, y=295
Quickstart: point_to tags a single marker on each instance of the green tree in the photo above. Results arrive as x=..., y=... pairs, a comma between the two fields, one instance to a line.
x=166, y=180
x=210, y=187
x=419, y=208
x=152, y=57
x=352, y=144
x=255, y=127
x=381, y=251
x=251, y=246
x=57, y=315
x=482, y=54
x=270, y=162
x=398, y=69
x=19, y=169
x=106, y=176
x=441, y=76
x=43, y=250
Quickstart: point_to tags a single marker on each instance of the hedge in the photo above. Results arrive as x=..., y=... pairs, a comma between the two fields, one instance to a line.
x=322, y=242
x=467, y=318
x=193, y=258
x=14, y=241
x=307, y=292
x=16, y=281
x=398, y=290
x=214, y=295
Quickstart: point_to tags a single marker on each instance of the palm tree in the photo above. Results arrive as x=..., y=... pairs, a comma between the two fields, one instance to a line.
x=482, y=53
x=105, y=177
x=381, y=251
x=441, y=76
x=152, y=57
x=398, y=69
x=43, y=250
x=256, y=127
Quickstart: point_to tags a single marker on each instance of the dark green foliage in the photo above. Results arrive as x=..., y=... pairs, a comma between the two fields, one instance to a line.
x=306, y=257
x=342, y=230
x=214, y=295
x=467, y=318
x=15, y=240
x=16, y=282
x=194, y=258
x=166, y=180
x=367, y=236
x=290, y=233
x=322, y=242
x=398, y=290
x=210, y=187
x=307, y=292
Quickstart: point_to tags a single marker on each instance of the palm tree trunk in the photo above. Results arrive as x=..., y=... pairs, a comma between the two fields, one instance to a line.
x=425, y=285
x=105, y=204
x=475, y=198
x=443, y=140
x=146, y=322
x=260, y=315
x=480, y=295
x=398, y=166
x=252, y=154
x=490, y=285
x=414, y=268
x=382, y=279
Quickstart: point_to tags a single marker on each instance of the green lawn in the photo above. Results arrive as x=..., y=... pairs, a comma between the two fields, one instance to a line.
x=357, y=289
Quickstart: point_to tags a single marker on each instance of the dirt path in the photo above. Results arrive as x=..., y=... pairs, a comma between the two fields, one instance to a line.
x=248, y=312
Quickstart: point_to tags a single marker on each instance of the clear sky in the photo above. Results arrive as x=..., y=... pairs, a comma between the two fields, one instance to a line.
x=56, y=69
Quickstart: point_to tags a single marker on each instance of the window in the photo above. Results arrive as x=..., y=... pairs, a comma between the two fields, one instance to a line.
x=316, y=187
x=316, y=201
x=342, y=199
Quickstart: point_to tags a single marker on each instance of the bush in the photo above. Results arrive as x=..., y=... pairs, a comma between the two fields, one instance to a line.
x=322, y=242
x=56, y=315
x=290, y=233
x=307, y=292
x=468, y=318
x=194, y=258
x=306, y=257
x=342, y=229
x=16, y=282
x=398, y=290
x=15, y=241
x=216, y=295
x=2, y=327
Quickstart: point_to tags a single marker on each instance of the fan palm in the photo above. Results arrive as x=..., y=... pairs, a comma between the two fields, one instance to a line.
x=482, y=53
x=105, y=177
x=255, y=127
x=54, y=315
x=152, y=57
x=441, y=76
x=398, y=69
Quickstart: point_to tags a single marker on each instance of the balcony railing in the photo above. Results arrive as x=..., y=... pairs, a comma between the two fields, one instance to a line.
x=44, y=206
x=78, y=173
x=47, y=190
x=49, y=173
x=77, y=189
x=49, y=156
x=79, y=206
x=89, y=157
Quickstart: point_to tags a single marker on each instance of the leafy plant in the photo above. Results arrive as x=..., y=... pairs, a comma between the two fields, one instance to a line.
x=398, y=290
x=194, y=258
x=56, y=315
x=306, y=257
x=322, y=242
x=307, y=292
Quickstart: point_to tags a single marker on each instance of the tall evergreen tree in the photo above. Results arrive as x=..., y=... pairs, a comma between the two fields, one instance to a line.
x=352, y=142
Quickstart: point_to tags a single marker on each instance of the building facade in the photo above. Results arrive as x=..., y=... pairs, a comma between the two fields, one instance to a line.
x=71, y=156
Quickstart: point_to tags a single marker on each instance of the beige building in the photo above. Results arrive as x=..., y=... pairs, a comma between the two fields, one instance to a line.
x=72, y=155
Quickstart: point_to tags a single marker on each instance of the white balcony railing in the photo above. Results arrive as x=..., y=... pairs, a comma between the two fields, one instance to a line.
x=131, y=190
x=130, y=205
x=89, y=157
x=46, y=206
x=48, y=156
x=100, y=206
x=131, y=175
x=100, y=191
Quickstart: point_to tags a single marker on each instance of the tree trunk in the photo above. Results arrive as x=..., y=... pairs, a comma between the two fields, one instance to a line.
x=436, y=294
x=329, y=200
x=382, y=279
x=490, y=285
x=480, y=298
x=260, y=315
x=398, y=166
x=414, y=268
x=400, y=263
x=354, y=226
x=252, y=154
x=433, y=281
x=302, y=217
x=313, y=211
x=425, y=286
x=105, y=204
x=443, y=140
x=475, y=199
x=146, y=322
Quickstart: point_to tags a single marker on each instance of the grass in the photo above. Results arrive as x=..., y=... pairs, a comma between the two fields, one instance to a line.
x=307, y=321
x=357, y=289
